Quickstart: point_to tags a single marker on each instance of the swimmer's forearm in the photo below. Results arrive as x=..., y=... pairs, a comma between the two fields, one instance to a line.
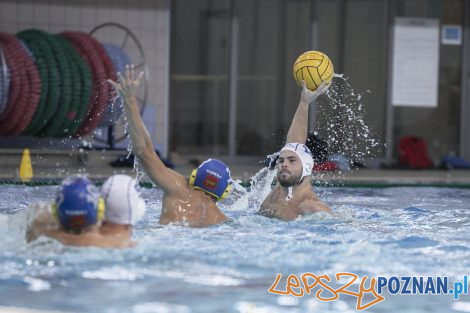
x=142, y=145
x=140, y=137
x=298, y=128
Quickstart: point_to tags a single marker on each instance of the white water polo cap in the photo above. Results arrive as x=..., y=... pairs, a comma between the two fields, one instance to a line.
x=304, y=154
x=124, y=203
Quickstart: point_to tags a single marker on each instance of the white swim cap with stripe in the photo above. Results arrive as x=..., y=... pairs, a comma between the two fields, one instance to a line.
x=124, y=204
x=304, y=154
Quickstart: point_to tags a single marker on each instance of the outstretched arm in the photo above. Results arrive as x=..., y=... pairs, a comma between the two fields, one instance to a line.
x=170, y=181
x=298, y=128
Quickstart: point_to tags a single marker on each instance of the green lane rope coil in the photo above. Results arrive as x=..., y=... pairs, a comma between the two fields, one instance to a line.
x=79, y=95
x=65, y=80
x=41, y=49
x=55, y=85
x=42, y=65
x=83, y=89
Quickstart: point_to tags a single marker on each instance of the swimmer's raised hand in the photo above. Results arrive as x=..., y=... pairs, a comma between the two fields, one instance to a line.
x=127, y=85
x=309, y=96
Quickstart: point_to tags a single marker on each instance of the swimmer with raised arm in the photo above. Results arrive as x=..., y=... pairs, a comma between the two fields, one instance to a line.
x=193, y=204
x=293, y=195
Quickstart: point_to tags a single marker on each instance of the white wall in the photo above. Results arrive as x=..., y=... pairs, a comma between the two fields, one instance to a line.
x=149, y=20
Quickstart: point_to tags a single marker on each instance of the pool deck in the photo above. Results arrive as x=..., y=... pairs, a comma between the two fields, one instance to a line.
x=56, y=164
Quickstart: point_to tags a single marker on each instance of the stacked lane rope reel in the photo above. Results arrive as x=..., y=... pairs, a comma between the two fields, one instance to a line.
x=55, y=85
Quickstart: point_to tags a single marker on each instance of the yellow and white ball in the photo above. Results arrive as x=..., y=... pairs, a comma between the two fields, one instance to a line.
x=314, y=67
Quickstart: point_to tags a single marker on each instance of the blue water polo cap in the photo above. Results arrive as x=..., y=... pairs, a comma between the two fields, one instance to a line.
x=213, y=177
x=76, y=203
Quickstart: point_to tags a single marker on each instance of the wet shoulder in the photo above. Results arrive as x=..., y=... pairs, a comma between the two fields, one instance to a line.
x=194, y=209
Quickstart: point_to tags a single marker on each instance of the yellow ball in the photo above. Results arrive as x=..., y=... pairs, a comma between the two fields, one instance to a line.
x=313, y=67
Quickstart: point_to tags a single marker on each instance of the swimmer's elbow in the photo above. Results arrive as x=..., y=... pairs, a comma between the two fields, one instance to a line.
x=149, y=159
x=142, y=147
x=142, y=152
x=324, y=208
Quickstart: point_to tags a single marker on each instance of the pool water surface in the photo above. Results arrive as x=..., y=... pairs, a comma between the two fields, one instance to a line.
x=418, y=231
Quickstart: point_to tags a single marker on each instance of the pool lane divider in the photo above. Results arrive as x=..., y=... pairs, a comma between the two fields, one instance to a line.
x=50, y=76
x=4, y=81
x=64, y=82
x=42, y=67
x=102, y=68
x=149, y=185
x=25, y=86
x=33, y=81
x=56, y=85
x=81, y=90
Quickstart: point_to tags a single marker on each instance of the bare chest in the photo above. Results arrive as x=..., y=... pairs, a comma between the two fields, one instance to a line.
x=276, y=205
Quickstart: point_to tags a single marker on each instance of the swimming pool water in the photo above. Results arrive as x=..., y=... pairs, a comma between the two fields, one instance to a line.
x=230, y=267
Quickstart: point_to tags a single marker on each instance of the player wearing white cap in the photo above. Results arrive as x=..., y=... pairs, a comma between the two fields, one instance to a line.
x=124, y=207
x=293, y=195
x=118, y=208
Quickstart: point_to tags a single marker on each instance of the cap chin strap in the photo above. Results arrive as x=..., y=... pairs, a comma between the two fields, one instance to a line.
x=291, y=188
x=289, y=193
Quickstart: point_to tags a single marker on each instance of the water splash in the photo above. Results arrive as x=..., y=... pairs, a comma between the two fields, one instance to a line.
x=252, y=197
x=237, y=260
x=137, y=169
x=341, y=122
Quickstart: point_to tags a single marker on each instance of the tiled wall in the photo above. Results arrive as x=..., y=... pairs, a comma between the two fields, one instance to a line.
x=149, y=20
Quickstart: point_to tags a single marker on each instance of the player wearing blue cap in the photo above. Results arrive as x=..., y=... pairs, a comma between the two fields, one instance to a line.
x=79, y=207
x=193, y=204
x=76, y=210
x=78, y=204
x=293, y=195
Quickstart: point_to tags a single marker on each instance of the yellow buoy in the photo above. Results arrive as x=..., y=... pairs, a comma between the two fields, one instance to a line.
x=26, y=168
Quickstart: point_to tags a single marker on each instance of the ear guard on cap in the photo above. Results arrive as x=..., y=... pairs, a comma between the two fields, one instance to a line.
x=212, y=177
x=100, y=215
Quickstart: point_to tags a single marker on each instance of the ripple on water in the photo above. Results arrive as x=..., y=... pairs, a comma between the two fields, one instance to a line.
x=237, y=261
